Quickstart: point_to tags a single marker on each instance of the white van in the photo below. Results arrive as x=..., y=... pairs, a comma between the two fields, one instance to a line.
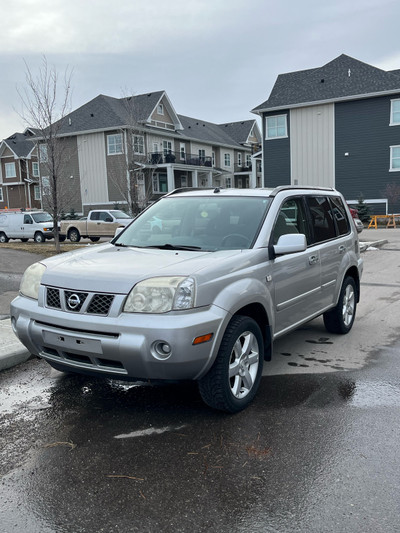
x=36, y=225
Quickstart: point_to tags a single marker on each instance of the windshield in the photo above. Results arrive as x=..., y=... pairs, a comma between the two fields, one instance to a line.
x=119, y=214
x=41, y=217
x=197, y=223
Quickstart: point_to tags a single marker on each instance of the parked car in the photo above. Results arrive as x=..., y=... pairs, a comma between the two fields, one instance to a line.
x=357, y=222
x=98, y=223
x=36, y=225
x=200, y=300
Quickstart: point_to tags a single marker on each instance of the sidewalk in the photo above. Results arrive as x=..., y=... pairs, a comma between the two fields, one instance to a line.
x=12, y=352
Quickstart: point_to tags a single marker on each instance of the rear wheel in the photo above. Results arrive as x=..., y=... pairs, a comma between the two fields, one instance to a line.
x=233, y=380
x=24, y=240
x=94, y=239
x=74, y=235
x=340, y=319
x=39, y=237
x=3, y=237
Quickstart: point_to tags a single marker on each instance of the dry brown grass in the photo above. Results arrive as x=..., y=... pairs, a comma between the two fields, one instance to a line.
x=47, y=249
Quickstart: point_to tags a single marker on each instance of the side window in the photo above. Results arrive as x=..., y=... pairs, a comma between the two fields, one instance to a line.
x=321, y=218
x=94, y=215
x=27, y=219
x=340, y=215
x=291, y=219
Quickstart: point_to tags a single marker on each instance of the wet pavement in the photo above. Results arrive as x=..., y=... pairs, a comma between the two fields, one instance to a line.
x=313, y=453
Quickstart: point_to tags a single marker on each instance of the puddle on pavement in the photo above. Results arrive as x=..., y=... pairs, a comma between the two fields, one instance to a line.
x=371, y=394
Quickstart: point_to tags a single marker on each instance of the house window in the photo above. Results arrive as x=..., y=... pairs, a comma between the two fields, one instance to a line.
x=35, y=170
x=248, y=160
x=167, y=147
x=36, y=192
x=228, y=183
x=395, y=158
x=138, y=144
x=160, y=109
x=10, y=170
x=227, y=160
x=182, y=152
x=213, y=159
x=160, y=183
x=276, y=127
x=114, y=144
x=1, y=195
x=239, y=159
x=43, y=153
x=184, y=181
x=202, y=155
x=395, y=112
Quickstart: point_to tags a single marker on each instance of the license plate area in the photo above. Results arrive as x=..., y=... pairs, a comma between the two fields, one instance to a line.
x=71, y=343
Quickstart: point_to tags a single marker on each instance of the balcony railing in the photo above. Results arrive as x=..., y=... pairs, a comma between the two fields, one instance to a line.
x=242, y=168
x=160, y=158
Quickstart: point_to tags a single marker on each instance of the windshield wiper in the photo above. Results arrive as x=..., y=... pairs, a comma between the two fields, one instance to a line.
x=168, y=246
x=120, y=244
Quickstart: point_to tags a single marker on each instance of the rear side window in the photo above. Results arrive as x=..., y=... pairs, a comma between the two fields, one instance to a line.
x=322, y=221
x=340, y=215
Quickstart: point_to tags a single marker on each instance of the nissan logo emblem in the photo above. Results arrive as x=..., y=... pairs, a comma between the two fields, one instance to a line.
x=73, y=301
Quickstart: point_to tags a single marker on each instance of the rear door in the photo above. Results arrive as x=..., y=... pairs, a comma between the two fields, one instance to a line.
x=296, y=277
x=331, y=236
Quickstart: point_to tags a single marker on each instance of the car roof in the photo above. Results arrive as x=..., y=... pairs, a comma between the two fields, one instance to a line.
x=261, y=191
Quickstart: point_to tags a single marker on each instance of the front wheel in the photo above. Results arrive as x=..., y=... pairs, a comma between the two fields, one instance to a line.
x=233, y=380
x=39, y=237
x=3, y=237
x=340, y=319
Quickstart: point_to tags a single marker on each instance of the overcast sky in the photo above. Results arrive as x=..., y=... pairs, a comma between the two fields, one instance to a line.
x=216, y=59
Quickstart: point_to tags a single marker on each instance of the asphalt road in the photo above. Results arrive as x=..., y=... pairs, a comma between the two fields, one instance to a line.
x=316, y=452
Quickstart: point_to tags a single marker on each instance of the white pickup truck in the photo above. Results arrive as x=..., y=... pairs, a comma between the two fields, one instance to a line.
x=98, y=223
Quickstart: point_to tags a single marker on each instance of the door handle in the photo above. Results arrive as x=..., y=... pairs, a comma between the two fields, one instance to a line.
x=342, y=249
x=313, y=259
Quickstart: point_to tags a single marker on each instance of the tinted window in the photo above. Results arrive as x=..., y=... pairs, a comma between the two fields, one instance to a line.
x=291, y=219
x=321, y=218
x=340, y=215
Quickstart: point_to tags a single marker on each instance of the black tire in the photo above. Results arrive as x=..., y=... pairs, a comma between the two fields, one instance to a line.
x=340, y=319
x=232, y=394
x=94, y=239
x=24, y=240
x=74, y=235
x=3, y=237
x=39, y=237
x=61, y=238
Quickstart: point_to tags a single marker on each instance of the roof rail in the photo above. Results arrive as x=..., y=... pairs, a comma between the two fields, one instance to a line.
x=299, y=187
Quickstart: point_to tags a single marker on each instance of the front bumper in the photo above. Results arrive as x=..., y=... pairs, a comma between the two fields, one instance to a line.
x=124, y=346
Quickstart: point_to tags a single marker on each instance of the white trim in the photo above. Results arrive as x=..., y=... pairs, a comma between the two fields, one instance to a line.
x=108, y=145
x=391, y=123
x=1, y=195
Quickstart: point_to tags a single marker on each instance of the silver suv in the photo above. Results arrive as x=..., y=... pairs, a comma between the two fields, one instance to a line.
x=197, y=287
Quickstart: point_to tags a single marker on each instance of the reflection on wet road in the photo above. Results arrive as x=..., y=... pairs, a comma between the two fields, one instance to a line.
x=314, y=453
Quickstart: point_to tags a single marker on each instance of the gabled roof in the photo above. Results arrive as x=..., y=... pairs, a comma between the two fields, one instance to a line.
x=20, y=144
x=202, y=130
x=240, y=131
x=342, y=78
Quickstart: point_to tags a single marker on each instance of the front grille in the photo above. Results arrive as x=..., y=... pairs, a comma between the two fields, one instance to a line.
x=53, y=298
x=100, y=304
x=79, y=302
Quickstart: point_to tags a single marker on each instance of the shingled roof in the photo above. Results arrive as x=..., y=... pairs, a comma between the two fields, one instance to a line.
x=341, y=78
x=107, y=113
x=20, y=144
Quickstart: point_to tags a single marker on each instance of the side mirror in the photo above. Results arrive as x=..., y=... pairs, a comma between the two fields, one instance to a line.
x=108, y=219
x=118, y=230
x=290, y=243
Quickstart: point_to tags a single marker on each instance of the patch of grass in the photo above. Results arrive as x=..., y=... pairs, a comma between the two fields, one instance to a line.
x=45, y=249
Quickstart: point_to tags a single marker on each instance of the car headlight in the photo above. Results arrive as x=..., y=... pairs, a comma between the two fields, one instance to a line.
x=160, y=295
x=31, y=280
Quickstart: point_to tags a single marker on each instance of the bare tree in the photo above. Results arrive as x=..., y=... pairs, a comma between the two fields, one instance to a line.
x=45, y=102
x=392, y=193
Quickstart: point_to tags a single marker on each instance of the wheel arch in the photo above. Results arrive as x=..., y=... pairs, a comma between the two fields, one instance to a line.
x=258, y=313
x=353, y=273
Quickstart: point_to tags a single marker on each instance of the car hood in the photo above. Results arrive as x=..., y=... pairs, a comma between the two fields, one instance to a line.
x=107, y=268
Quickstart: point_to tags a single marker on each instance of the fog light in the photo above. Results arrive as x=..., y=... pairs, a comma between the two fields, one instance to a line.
x=161, y=350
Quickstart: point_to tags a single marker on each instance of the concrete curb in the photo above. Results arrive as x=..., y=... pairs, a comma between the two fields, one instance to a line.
x=13, y=352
